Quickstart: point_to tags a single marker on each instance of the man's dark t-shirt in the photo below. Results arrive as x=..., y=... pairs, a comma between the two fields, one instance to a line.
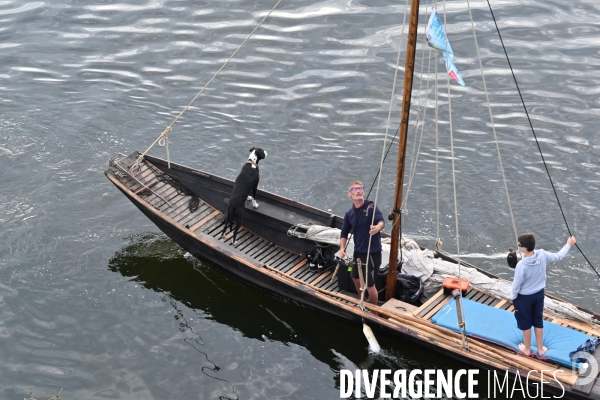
x=359, y=221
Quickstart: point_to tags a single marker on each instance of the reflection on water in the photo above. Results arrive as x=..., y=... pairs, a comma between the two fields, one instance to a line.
x=160, y=265
x=146, y=259
x=185, y=283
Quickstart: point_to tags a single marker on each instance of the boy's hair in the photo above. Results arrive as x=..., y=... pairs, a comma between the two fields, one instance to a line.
x=355, y=183
x=527, y=240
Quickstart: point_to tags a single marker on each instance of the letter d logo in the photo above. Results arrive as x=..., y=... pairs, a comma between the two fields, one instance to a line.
x=588, y=369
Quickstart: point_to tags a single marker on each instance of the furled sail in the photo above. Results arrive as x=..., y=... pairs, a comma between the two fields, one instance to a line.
x=436, y=38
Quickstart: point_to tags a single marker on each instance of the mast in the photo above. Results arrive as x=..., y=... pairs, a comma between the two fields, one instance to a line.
x=390, y=288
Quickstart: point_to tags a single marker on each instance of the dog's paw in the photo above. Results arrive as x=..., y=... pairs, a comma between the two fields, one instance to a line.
x=254, y=204
x=250, y=198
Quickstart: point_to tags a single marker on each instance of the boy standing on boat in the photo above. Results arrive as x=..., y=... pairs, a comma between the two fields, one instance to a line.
x=358, y=220
x=528, y=289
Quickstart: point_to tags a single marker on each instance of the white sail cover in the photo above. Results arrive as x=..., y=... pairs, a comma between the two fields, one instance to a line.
x=432, y=271
x=316, y=233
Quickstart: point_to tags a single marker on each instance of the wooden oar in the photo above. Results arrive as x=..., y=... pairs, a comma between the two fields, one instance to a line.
x=362, y=280
x=335, y=273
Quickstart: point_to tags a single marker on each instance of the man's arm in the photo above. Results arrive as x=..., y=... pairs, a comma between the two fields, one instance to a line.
x=376, y=228
x=344, y=235
x=343, y=247
x=378, y=221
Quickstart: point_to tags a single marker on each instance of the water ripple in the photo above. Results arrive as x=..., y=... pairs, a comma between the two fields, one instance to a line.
x=22, y=9
x=84, y=80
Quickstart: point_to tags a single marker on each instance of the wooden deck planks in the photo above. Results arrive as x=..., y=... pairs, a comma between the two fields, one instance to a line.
x=204, y=220
x=203, y=211
x=275, y=257
x=212, y=225
x=296, y=267
x=288, y=258
x=429, y=304
x=260, y=248
x=331, y=286
x=243, y=236
x=193, y=216
x=249, y=244
x=304, y=274
x=270, y=254
x=264, y=251
x=291, y=261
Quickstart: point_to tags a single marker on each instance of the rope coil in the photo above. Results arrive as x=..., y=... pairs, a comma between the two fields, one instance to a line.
x=194, y=202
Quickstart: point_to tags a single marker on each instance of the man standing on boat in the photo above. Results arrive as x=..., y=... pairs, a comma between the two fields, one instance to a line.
x=358, y=220
x=528, y=289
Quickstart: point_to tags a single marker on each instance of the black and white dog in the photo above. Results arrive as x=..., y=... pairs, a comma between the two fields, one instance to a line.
x=244, y=189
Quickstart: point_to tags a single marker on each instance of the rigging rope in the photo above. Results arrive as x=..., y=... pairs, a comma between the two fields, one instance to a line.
x=163, y=136
x=438, y=242
x=536, y=139
x=487, y=98
x=417, y=149
x=465, y=342
x=383, y=152
x=379, y=170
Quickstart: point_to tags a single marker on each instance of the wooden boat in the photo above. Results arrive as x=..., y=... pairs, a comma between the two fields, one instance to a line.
x=267, y=257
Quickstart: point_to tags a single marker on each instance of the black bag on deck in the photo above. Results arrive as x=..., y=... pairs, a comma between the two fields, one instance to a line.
x=320, y=258
x=380, y=281
x=408, y=288
x=313, y=257
x=344, y=277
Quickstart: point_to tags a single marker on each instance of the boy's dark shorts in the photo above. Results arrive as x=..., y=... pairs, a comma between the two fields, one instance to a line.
x=529, y=310
x=374, y=264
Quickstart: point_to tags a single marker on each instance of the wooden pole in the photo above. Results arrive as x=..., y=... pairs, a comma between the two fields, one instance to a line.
x=390, y=288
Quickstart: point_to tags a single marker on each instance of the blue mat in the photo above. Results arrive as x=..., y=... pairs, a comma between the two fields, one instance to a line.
x=500, y=327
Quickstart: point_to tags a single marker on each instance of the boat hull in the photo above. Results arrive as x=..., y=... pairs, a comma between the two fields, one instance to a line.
x=270, y=223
